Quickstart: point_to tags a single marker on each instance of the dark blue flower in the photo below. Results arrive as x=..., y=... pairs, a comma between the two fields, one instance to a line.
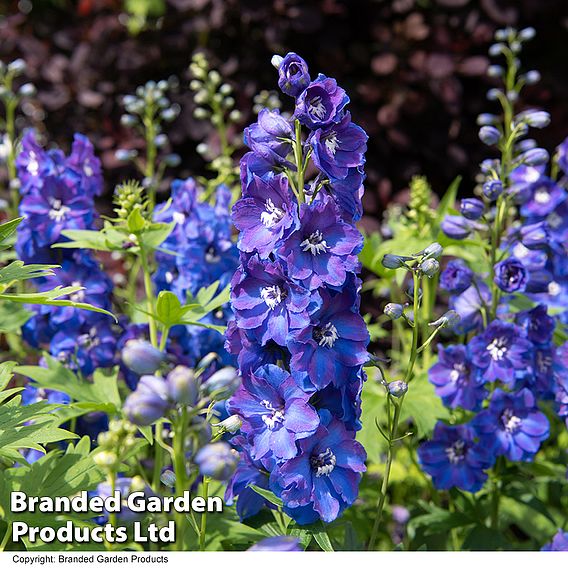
x=538, y=325
x=512, y=425
x=275, y=412
x=347, y=193
x=268, y=302
x=453, y=458
x=264, y=215
x=326, y=473
x=339, y=147
x=334, y=345
x=472, y=208
x=457, y=277
x=545, y=197
x=293, y=75
x=321, y=103
x=84, y=162
x=457, y=382
x=324, y=248
x=500, y=351
x=470, y=305
x=510, y=275
x=456, y=227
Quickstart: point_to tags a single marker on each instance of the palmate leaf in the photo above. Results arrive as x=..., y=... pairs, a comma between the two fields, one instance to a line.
x=12, y=317
x=51, y=298
x=7, y=231
x=17, y=271
x=101, y=394
x=56, y=474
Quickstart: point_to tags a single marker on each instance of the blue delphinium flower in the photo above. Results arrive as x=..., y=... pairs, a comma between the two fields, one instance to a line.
x=559, y=543
x=264, y=215
x=326, y=473
x=323, y=250
x=321, y=103
x=334, y=345
x=512, y=425
x=295, y=297
x=453, y=458
x=457, y=277
x=511, y=275
x=339, y=147
x=268, y=302
x=457, y=381
x=500, y=351
x=469, y=305
x=275, y=410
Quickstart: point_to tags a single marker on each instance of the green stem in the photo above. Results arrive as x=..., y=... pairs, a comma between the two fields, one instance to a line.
x=6, y=538
x=151, y=153
x=158, y=459
x=149, y=296
x=181, y=473
x=415, y=329
x=203, y=530
x=111, y=478
x=299, y=158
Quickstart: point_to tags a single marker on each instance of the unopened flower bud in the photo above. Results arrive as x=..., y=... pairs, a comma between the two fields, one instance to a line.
x=489, y=135
x=535, y=235
x=492, y=189
x=231, y=424
x=472, y=208
x=142, y=357
x=393, y=311
x=105, y=459
x=217, y=460
x=429, y=267
x=527, y=34
x=535, y=118
x=223, y=383
x=532, y=77
x=395, y=261
x=144, y=409
x=27, y=90
x=450, y=319
x=183, y=387
x=397, y=388
x=456, y=227
x=276, y=61
x=168, y=478
x=534, y=157
x=172, y=160
x=486, y=119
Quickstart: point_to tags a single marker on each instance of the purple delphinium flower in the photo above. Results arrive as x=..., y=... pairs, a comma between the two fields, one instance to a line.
x=339, y=147
x=271, y=137
x=512, y=425
x=293, y=75
x=347, y=193
x=268, y=302
x=563, y=156
x=457, y=277
x=277, y=544
x=456, y=381
x=559, y=542
x=545, y=197
x=321, y=103
x=325, y=474
x=334, y=345
x=511, y=275
x=275, y=412
x=84, y=162
x=249, y=472
x=499, y=351
x=264, y=215
x=469, y=306
x=560, y=371
x=538, y=325
x=323, y=250
x=57, y=207
x=453, y=458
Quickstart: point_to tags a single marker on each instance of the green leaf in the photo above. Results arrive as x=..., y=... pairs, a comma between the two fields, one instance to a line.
x=135, y=221
x=50, y=298
x=320, y=535
x=93, y=240
x=12, y=317
x=155, y=234
x=102, y=391
x=168, y=308
x=17, y=271
x=7, y=231
x=268, y=495
x=448, y=200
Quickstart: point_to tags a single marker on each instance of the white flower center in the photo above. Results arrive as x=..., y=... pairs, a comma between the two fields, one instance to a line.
x=275, y=416
x=272, y=295
x=456, y=452
x=520, y=250
x=58, y=211
x=314, y=243
x=326, y=336
x=323, y=463
x=33, y=164
x=541, y=195
x=211, y=256
x=331, y=142
x=317, y=108
x=178, y=217
x=272, y=215
x=88, y=170
x=554, y=288
x=497, y=348
x=510, y=421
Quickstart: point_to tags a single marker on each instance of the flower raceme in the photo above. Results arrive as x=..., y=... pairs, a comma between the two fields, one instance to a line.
x=300, y=340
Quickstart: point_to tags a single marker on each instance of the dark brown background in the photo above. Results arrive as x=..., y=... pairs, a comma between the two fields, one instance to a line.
x=414, y=70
